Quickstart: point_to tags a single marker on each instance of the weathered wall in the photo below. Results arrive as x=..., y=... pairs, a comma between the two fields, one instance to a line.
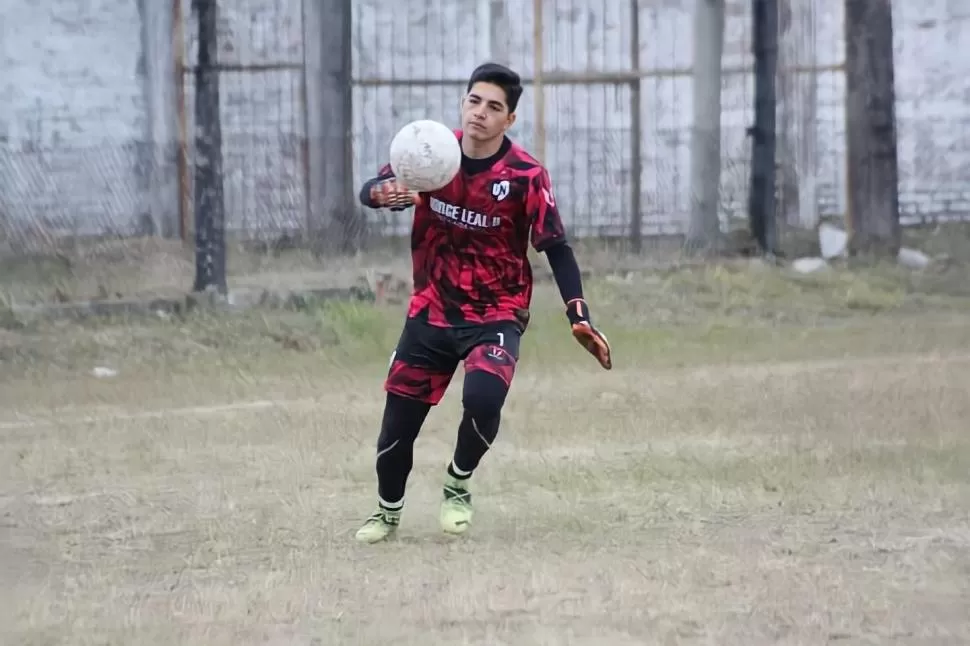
x=72, y=114
x=76, y=112
x=88, y=122
x=262, y=109
x=589, y=126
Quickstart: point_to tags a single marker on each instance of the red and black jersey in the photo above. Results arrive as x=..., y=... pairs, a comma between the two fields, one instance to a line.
x=470, y=239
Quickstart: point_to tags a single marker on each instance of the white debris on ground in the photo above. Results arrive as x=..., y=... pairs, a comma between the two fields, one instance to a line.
x=834, y=243
x=809, y=265
x=912, y=258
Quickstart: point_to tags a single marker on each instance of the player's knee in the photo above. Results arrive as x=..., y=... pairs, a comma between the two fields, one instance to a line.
x=488, y=374
x=484, y=394
x=402, y=421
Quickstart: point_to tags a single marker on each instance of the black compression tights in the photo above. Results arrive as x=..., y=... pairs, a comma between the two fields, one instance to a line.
x=483, y=397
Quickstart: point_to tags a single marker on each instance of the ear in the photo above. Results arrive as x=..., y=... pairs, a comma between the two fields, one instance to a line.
x=511, y=121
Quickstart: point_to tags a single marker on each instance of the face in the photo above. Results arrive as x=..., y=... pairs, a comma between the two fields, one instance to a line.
x=484, y=112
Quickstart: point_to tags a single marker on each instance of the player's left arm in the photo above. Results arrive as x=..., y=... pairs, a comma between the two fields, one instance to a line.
x=549, y=236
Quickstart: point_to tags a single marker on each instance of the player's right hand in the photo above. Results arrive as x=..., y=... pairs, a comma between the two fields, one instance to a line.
x=391, y=193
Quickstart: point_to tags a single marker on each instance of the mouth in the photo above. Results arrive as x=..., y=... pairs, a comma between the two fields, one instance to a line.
x=477, y=126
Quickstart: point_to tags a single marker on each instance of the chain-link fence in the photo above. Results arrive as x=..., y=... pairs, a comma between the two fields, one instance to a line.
x=96, y=141
x=263, y=113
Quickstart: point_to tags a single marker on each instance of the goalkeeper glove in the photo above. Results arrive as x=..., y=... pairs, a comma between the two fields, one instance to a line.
x=588, y=336
x=392, y=194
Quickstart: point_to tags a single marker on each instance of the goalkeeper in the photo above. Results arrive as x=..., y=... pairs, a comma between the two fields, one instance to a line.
x=472, y=291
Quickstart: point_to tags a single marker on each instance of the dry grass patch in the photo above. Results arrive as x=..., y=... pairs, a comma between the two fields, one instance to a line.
x=803, y=503
x=770, y=463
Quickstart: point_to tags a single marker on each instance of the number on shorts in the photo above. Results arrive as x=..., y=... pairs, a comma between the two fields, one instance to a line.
x=501, y=339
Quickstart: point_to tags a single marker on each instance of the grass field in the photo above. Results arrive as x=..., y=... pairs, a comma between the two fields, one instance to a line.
x=774, y=460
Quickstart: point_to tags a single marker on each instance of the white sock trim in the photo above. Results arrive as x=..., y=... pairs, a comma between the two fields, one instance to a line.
x=393, y=506
x=459, y=472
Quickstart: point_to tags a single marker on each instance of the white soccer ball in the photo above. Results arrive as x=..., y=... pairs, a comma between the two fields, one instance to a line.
x=425, y=155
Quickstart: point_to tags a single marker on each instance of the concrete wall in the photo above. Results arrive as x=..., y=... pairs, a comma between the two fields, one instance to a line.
x=72, y=114
x=589, y=127
x=87, y=120
x=262, y=109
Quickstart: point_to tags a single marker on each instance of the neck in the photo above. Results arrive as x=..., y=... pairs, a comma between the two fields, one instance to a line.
x=481, y=149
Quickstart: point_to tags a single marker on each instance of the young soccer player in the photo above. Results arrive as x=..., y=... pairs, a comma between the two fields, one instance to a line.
x=472, y=291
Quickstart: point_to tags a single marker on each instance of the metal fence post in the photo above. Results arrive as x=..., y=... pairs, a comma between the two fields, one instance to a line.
x=636, y=133
x=210, y=217
x=761, y=196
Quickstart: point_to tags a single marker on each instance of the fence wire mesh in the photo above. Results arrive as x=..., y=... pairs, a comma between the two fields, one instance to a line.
x=94, y=143
x=262, y=112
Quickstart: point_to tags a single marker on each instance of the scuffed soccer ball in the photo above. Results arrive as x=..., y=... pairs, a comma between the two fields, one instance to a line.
x=425, y=155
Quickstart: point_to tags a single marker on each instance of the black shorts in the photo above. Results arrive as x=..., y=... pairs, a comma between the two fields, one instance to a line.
x=427, y=356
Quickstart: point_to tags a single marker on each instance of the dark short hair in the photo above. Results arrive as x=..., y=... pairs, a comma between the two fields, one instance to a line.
x=501, y=76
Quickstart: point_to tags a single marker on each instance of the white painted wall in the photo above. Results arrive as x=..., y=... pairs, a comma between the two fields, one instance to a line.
x=588, y=128
x=72, y=114
x=73, y=88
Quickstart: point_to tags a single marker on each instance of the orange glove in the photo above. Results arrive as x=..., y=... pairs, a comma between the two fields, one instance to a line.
x=588, y=336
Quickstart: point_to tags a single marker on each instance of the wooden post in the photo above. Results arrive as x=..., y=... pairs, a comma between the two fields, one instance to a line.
x=704, y=230
x=872, y=216
x=335, y=223
x=182, y=151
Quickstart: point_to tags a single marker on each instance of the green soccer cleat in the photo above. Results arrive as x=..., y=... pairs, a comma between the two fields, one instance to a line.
x=379, y=526
x=456, y=508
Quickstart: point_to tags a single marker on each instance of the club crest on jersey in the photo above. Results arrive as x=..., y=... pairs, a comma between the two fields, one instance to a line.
x=500, y=190
x=463, y=217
